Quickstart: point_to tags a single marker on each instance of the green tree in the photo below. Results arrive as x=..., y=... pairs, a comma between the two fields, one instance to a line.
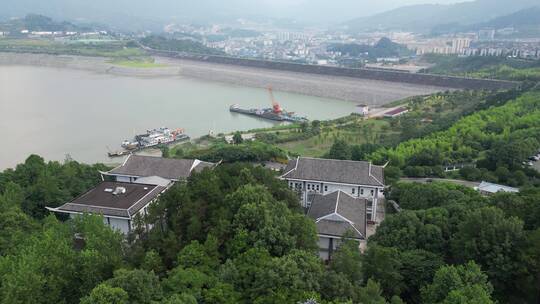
x=191, y=281
x=142, y=287
x=340, y=150
x=237, y=138
x=152, y=262
x=165, y=151
x=43, y=270
x=458, y=284
x=494, y=242
x=348, y=260
x=383, y=264
x=180, y=299
x=418, y=268
x=371, y=294
x=104, y=294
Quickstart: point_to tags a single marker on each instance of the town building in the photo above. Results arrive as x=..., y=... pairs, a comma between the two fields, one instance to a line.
x=119, y=203
x=396, y=112
x=362, y=110
x=129, y=189
x=338, y=215
x=137, y=166
x=313, y=176
x=486, y=188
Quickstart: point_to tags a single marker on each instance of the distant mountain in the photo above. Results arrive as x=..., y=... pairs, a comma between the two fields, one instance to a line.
x=523, y=18
x=423, y=18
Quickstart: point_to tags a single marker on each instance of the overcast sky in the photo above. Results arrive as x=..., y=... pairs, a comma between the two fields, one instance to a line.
x=338, y=10
x=319, y=11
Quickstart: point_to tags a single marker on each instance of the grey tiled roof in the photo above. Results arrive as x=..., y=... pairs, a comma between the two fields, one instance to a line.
x=203, y=165
x=339, y=171
x=100, y=201
x=339, y=229
x=175, y=169
x=337, y=212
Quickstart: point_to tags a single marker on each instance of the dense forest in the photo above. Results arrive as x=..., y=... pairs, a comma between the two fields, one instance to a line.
x=492, y=142
x=236, y=234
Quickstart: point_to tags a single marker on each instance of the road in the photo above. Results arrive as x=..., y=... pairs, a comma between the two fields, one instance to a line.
x=429, y=180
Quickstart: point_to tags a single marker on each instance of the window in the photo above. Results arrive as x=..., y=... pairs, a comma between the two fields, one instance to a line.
x=353, y=190
x=325, y=188
x=372, y=192
x=318, y=188
x=309, y=186
x=362, y=191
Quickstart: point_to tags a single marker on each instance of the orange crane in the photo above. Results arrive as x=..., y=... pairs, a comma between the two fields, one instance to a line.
x=275, y=105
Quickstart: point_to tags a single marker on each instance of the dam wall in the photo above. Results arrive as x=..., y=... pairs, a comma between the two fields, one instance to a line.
x=452, y=82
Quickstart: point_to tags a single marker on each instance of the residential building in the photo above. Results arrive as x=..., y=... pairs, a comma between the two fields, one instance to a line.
x=311, y=176
x=338, y=215
x=119, y=203
x=396, y=112
x=486, y=188
x=137, y=166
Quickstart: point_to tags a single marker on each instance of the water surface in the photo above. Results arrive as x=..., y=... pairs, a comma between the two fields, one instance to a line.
x=53, y=112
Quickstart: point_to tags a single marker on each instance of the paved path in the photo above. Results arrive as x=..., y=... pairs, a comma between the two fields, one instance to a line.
x=429, y=180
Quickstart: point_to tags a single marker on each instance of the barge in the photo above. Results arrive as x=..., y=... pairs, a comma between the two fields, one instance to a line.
x=275, y=113
x=269, y=114
x=152, y=138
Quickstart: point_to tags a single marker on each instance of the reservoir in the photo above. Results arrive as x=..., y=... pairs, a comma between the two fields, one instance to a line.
x=53, y=112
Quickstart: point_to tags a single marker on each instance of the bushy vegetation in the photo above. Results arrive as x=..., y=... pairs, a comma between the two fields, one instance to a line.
x=238, y=152
x=38, y=183
x=488, y=243
x=383, y=49
x=496, y=138
x=113, y=49
x=485, y=67
x=178, y=45
x=427, y=114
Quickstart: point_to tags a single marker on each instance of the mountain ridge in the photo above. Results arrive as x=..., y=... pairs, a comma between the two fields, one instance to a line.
x=424, y=17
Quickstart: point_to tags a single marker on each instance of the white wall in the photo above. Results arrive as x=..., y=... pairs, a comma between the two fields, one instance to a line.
x=121, y=225
x=123, y=179
x=118, y=224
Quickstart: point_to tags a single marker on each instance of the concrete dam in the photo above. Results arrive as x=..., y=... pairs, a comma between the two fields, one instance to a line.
x=451, y=82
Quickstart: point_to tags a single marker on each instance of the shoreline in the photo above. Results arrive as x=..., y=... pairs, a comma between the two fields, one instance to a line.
x=371, y=92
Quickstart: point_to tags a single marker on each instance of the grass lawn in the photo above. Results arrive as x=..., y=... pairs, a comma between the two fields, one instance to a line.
x=113, y=49
x=354, y=132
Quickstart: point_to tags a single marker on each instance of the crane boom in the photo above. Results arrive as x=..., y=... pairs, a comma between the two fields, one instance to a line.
x=275, y=105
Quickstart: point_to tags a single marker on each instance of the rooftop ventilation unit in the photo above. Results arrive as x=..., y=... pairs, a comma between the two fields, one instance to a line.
x=119, y=190
x=108, y=190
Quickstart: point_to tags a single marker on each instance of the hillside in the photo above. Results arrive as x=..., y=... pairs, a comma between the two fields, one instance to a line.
x=425, y=17
x=384, y=48
x=33, y=22
x=523, y=18
x=175, y=45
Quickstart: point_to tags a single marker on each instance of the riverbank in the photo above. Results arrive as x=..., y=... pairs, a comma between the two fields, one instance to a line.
x=371, y=92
